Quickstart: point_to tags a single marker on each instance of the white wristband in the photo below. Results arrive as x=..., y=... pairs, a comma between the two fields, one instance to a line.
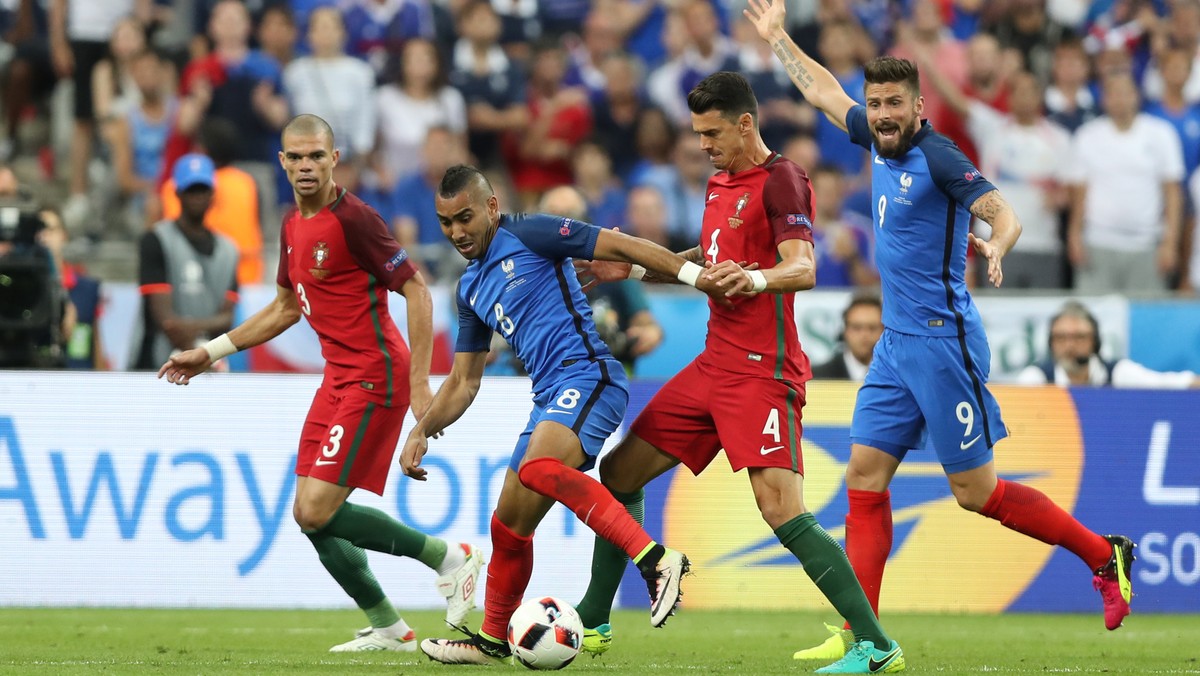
x=637, y=272
x=689, y=273
x=220, y=347
x=759, y=279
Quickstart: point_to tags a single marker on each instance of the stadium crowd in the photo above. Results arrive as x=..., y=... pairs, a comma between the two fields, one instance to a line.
x=1085, y=114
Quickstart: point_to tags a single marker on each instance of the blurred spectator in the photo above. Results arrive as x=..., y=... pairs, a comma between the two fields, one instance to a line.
x=114, y=91
x=82, y=317
x=1126, y=204
x=654, y=139
x=138, y=138
x=842, y=240
x=558, y=17
x=1027, y=29
x=683, y=190
x=1074, y=359
x=1180, y=31
x=277, y=33
x=1173, y=106
x=538, y=158
x=245, y=87
x=492, y=86
x=926, y=35
x=662, y=86
x=803, y=150
x=378, y=28
x=1026, y=157
x=594, y=180
x=1069, y=100
x=780, y=114
x=79, y=35
x=646, y=216
x=335, y=87
x=406, y=108
x=414, y=220
x=708, y=51
x=519, y=26
x=28, y=77
x=620, y=309
x=862, y=326
x=1191, y=281
x=836, y=49
x=617, y=110
x=988, y=70
x=187, y=274
x=234, y=206
x=599, y=38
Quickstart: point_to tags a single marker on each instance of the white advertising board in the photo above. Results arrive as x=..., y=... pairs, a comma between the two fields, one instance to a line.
x=122, y=490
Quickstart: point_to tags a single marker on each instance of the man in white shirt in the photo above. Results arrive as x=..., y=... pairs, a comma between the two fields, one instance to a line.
x=1126, y=200
x=1075, y=360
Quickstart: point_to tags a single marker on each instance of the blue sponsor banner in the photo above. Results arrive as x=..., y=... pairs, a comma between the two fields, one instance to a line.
x=1120, y=461
x=1141, y=478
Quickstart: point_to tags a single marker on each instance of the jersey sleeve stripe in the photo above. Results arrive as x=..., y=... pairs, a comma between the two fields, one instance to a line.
x=148, y=289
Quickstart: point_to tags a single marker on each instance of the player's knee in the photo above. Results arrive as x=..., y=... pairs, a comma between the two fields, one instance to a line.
x=970, y=500
x=612, y=478
x=310, y=517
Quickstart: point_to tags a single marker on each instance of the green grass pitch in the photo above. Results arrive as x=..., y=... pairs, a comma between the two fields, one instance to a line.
x=123, y=641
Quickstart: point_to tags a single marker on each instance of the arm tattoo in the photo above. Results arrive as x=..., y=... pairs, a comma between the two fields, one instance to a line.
x=795, y=69
x=989, y=206
x=694, y=255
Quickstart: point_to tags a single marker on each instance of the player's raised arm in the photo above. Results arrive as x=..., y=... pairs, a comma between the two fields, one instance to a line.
x=992, y=208
x=267, y=323
x=453, y=399
x=818, y=85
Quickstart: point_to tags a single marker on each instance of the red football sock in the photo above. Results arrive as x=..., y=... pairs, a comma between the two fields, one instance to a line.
x=869, y=539
x=1028, y=511
x=507, y=577
x=590, y=501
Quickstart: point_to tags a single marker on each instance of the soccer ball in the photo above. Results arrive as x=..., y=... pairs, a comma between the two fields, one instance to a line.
x=545, y=633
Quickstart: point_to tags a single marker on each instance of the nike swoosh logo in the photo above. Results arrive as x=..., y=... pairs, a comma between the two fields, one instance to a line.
x=764, y=450
x=712, y=196
x=473, y=296
x=874, y=665
x=289, y=249
x=322, y=463
x=879, y=160
x=964, y=445
x=556, y=410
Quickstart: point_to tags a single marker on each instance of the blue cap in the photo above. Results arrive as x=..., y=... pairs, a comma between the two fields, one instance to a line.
x=192, y=170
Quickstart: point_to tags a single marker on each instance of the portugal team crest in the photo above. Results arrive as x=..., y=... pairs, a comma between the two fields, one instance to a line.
x=320, y=254
x=735, y=220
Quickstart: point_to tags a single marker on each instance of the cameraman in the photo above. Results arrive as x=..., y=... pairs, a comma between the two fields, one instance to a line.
x=34, y=310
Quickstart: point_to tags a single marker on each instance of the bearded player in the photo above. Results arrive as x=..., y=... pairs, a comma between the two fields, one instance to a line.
x=337, y=263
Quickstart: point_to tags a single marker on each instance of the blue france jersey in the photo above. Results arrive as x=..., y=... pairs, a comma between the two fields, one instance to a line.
x=921, y=219
x=526, y=290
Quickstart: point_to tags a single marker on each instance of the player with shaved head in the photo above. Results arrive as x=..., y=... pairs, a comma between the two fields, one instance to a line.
x=337, y=263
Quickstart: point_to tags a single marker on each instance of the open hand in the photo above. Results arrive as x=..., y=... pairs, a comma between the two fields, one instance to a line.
x=767, y=16
x=182, y=367
x=591, y=273
x=992, y=254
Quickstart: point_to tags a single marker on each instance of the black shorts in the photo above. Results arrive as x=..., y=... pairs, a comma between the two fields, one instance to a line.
x=36, y=54
x=87, y=55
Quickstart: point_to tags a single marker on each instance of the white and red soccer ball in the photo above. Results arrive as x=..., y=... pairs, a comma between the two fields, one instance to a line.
x=545, y=633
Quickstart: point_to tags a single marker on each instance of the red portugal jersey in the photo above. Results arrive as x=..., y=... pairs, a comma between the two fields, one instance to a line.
x=341, y=263
x=746, y=216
